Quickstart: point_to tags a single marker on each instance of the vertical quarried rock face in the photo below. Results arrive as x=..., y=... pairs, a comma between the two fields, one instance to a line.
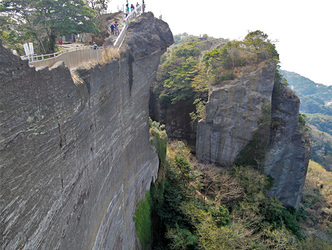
x=234, y=113
x=251, y=123
x=288, y=151
x=75, y=158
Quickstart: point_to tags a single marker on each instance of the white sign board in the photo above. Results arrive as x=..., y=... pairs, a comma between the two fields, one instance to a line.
x=31, y=48
x=26, y=49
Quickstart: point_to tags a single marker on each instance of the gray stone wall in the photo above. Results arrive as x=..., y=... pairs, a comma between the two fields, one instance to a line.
x=75, y=159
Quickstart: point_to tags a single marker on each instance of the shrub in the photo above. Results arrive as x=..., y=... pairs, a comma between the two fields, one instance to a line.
x=302, y=120
x=159, y=141
x=220, y=214
x=142, y=220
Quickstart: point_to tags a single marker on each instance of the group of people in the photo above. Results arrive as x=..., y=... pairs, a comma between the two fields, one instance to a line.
x=60, y=43
x=131, y=9
x=115, y=28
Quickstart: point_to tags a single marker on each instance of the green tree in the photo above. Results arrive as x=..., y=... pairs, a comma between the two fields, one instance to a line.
x=221, y=63
x=98, y=5
x=179, y=76
x=259, y=44
x=44, y=20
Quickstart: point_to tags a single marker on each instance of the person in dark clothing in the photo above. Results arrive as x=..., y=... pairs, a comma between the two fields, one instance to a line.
x=117, y=32
x=112, y=28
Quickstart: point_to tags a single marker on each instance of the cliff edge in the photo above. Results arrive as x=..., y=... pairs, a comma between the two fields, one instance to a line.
x=75, y=158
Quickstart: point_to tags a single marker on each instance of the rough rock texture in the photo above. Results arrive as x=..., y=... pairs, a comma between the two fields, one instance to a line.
x=288, y=151
x=234, y=113
x=75, y=158
x=178, y=123
x=249, y=123
x=147, y=35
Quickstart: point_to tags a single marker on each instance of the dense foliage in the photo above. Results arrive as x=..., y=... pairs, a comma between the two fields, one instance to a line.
x=188, y=69
x=221, y=63
x=203, y=207
x=179, y=73
x=42, y=21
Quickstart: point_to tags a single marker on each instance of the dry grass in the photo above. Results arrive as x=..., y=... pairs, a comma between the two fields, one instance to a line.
x=77, y=80
x=88, y=65
x=317, y=200
x=318, y=177
x=109, y=54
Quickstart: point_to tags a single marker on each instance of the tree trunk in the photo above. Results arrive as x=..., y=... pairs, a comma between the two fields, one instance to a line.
x=51, y=41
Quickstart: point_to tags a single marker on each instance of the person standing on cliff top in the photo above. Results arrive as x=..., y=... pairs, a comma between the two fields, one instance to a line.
x=112, y=28
x=116, y=28
x=127, y=9
x=95, y=46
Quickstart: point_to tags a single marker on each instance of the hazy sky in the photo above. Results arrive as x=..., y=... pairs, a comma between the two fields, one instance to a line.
x=302, y=28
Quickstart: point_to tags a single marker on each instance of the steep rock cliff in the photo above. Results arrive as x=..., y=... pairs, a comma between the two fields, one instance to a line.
x=288, y=152
x=248, y=122
x=76, y=158
x=234, y=115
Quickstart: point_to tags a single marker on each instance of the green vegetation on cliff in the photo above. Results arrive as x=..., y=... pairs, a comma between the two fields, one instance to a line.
x=188, y=69
x=203, y=207
x=222, y=63
x=43, y=21
x=179, y=74
x=142, y=220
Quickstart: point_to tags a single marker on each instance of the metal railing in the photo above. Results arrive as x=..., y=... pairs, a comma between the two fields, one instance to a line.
x=118, y=42
x=131, y=16
x=34, y=58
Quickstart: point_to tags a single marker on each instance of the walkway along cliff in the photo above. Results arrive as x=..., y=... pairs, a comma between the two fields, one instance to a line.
x=75, y=158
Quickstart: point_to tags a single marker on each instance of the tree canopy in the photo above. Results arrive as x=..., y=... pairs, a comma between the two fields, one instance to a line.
x=44, y=20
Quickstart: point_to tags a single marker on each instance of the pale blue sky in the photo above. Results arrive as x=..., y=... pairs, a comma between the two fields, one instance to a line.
x=301, y=27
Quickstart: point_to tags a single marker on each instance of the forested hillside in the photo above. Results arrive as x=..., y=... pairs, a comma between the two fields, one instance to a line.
x=199, y=206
